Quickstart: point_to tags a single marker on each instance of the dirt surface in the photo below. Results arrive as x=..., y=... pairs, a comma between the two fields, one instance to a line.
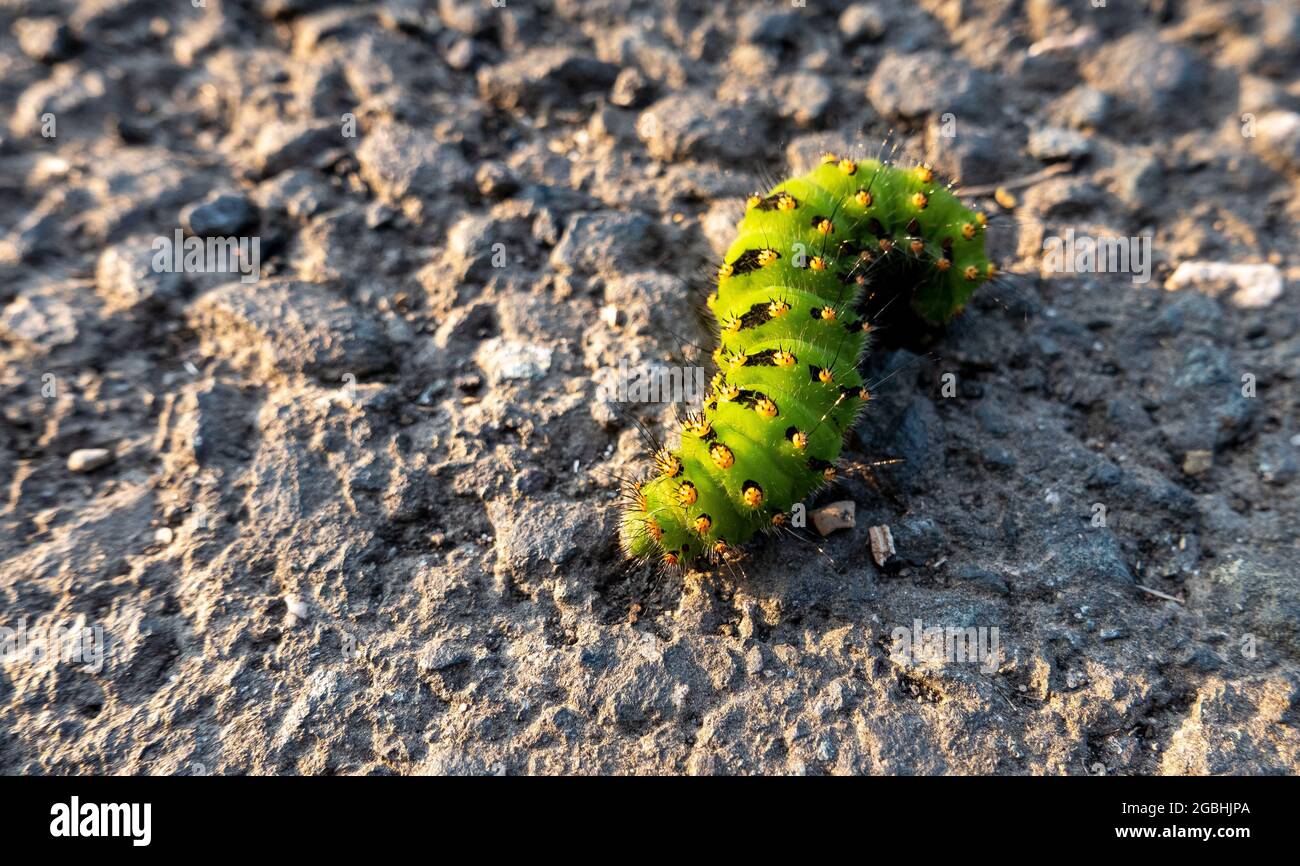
x=357, y=516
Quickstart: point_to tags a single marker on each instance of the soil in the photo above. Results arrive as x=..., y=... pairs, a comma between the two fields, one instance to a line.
x=357, y=516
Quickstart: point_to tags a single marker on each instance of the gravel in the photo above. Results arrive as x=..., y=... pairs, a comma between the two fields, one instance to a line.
x=358, y=516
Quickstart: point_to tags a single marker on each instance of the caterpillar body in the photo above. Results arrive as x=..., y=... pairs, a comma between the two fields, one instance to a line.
x=791, y=333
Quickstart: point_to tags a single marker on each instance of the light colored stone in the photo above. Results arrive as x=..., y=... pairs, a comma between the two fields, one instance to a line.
x=1279, y=133
x=89, y=459
x=882, y=544
x=862, y=22
x=297, y=608
x=41, y=319
x=1059, y=43
x=1256, y=285
x=1198, y=462
x=836, y=515
x=507, y=360
x=1054, y=144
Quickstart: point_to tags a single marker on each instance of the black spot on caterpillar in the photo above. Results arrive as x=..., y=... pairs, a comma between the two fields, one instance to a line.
x=808, y=258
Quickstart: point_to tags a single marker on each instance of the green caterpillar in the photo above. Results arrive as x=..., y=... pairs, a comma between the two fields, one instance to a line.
x=808, y=256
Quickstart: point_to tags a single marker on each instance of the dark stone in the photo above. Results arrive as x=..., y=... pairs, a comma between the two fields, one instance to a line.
x=982, y=578
x=691, y=125
x=1105, y=474
x=604, y=240
x=1153, y=78
x=908, y=86
x=290, y=326
x=554, y=77
x=219, y=216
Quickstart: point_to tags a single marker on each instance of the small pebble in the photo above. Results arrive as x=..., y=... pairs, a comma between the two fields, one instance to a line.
x=461, y=54
x=631, y=89
x=1054, y=144
x=862, y=22
x=46, y=40
x=1197, y=462
x=753, y=660
x=1063, y=42
x=89, y=459
x=495, y=180
x=836, y=515
x=163, y=535
x=1256, y=285
x=296, y=606
x=882, y=544
x=220, y=215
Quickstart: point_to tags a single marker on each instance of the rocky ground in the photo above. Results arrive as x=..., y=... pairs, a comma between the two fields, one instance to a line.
x=356, y=516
